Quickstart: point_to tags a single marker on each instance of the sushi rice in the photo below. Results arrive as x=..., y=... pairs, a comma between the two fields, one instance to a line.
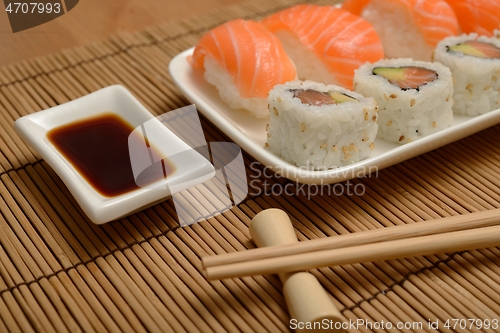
x=309, y=66
x=228, y=91
x=320, y=137
x=400, y=35
x=408, y=114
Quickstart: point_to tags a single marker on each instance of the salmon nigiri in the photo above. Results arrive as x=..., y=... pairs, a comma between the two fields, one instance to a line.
x=244, y=61
x=408, y=28
x=481, y=16
x=326, y=43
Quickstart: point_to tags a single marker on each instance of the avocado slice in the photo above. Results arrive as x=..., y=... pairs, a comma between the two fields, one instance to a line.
x=467, y=49
x=340, y=97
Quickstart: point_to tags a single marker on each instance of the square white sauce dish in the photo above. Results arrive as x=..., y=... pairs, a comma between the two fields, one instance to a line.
x=114, y=156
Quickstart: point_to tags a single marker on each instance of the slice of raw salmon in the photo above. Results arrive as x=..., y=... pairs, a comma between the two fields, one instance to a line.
x=252, y=55
x=481, y=16
x=341, y=40
x=435, y=19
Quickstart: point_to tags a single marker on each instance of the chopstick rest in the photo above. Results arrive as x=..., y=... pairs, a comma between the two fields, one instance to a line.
x=306, y=299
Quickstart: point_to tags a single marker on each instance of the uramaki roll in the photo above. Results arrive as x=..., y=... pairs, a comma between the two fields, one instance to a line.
x=318, y=127
x=474, y=62
x=415, y=98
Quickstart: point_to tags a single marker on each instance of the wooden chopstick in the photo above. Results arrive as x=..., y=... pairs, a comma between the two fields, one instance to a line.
x=442, y=225
x=451, y=234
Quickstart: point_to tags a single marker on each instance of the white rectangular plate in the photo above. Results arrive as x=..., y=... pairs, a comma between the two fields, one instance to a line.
x=250, y=133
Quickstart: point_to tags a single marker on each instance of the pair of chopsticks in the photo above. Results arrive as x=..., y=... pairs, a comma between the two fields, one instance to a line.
x=445, y=235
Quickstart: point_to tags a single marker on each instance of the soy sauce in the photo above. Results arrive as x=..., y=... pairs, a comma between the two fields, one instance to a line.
x=98, y=149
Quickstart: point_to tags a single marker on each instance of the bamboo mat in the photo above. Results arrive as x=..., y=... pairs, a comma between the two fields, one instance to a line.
x=61, y=273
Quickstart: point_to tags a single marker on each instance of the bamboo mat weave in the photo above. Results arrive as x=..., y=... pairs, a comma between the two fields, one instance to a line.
x=61, y=273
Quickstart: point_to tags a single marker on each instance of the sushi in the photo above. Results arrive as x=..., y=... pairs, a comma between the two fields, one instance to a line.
x=475, y=64
x=326, y=43
x=414, y=97
x=480, y=16
x=319, y=127
x=244, y=61
x=407, y=28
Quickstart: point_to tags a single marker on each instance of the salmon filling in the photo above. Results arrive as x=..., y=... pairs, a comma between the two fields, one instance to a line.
x=476, y=49
x=317, y=98
x=410, y=77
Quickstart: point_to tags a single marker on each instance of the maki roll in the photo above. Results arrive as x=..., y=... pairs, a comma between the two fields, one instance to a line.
x=475, y=64
x=414, y=97
x=318, y=127
x=243, y=60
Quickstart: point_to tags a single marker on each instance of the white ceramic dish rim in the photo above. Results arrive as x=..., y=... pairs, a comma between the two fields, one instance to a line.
x=100, y=209
x=206, y=99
